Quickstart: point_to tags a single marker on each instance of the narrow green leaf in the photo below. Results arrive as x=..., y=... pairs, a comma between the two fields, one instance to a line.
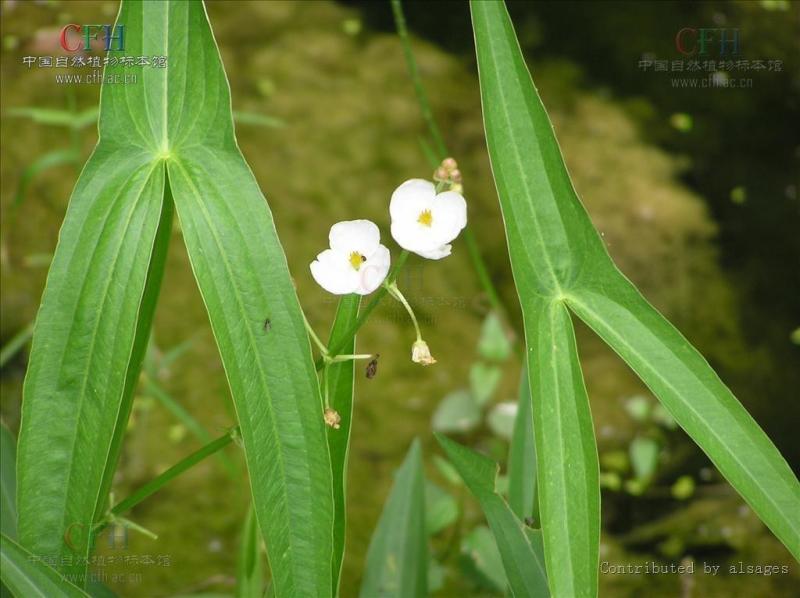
x=29, y=577
x=244, y=280
x=526, y=575
x=397, y=559
x=249, y=569
x=340, y=386
x=13, y=346
x=186, y=419
x=46, y=161
x=697, y=399
x=50, y=116
x=147, y=308
x=547, y=239
x=82, y=349
x=447, y=470
x=180, y=467
x=522, y=475
x=8, y=483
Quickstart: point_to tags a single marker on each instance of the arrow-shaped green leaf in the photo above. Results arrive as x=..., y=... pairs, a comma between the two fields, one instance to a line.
x=174, y=123
x=559, y=261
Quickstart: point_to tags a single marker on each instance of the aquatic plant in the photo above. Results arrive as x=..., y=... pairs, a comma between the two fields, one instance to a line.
x=168, y=146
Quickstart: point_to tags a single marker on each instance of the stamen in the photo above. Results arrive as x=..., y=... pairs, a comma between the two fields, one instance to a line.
x=356, y=259
x=425, y=218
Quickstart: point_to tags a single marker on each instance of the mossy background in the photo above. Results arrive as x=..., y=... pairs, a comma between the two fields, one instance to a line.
x=350, y=136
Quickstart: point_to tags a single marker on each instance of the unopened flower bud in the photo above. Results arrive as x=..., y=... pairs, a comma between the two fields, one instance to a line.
x=332, y=418
x=420, y=353
x=449, y=164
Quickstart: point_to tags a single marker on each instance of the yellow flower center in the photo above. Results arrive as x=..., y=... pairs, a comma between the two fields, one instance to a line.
x=425, y=218
x=356, y=259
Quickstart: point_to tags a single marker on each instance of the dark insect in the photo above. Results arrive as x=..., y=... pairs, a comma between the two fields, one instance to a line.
x=529, y=521
x=267, y=325
x=372, y=367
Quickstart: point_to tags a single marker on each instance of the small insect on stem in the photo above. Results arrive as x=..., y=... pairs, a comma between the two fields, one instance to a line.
x=267, y=325
x=372, y=367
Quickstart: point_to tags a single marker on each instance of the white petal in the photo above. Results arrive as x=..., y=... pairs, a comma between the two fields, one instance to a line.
x=373, y=272
x=333, y=273
x=411, y=198
x=436, y=254
x=414, y=236
x=449, y=213
x=362, y=236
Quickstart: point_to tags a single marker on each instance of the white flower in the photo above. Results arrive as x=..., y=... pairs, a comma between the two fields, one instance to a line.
x=425, y=222
x=356, y=261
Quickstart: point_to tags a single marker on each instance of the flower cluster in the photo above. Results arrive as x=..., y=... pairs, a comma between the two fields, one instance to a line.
x=424, y=221
x=426, y=218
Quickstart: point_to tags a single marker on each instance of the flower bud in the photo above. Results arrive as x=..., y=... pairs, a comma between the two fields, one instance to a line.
x=332, y=418
x=420, y=353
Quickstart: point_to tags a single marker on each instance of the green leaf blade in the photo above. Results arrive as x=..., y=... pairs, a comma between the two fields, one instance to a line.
x=249, y=570
x=549, y=238
x=525, y=572
x=569, y=485
x=340, y=385
x=558, y=258
x=522, y=474
x=25, y=575
x=240, y=268
x=698, y=400
x=82, y=349
x=397, y=559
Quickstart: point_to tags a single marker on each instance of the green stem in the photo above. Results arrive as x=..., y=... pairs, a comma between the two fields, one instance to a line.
x=422, y=97
x=341, y=358
x=334, y=350
x=194, y=426
x=395, y=292
x=483, y=272
x=469, y=237
x=173, y=472
x=326, y=396
x=320, y=345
